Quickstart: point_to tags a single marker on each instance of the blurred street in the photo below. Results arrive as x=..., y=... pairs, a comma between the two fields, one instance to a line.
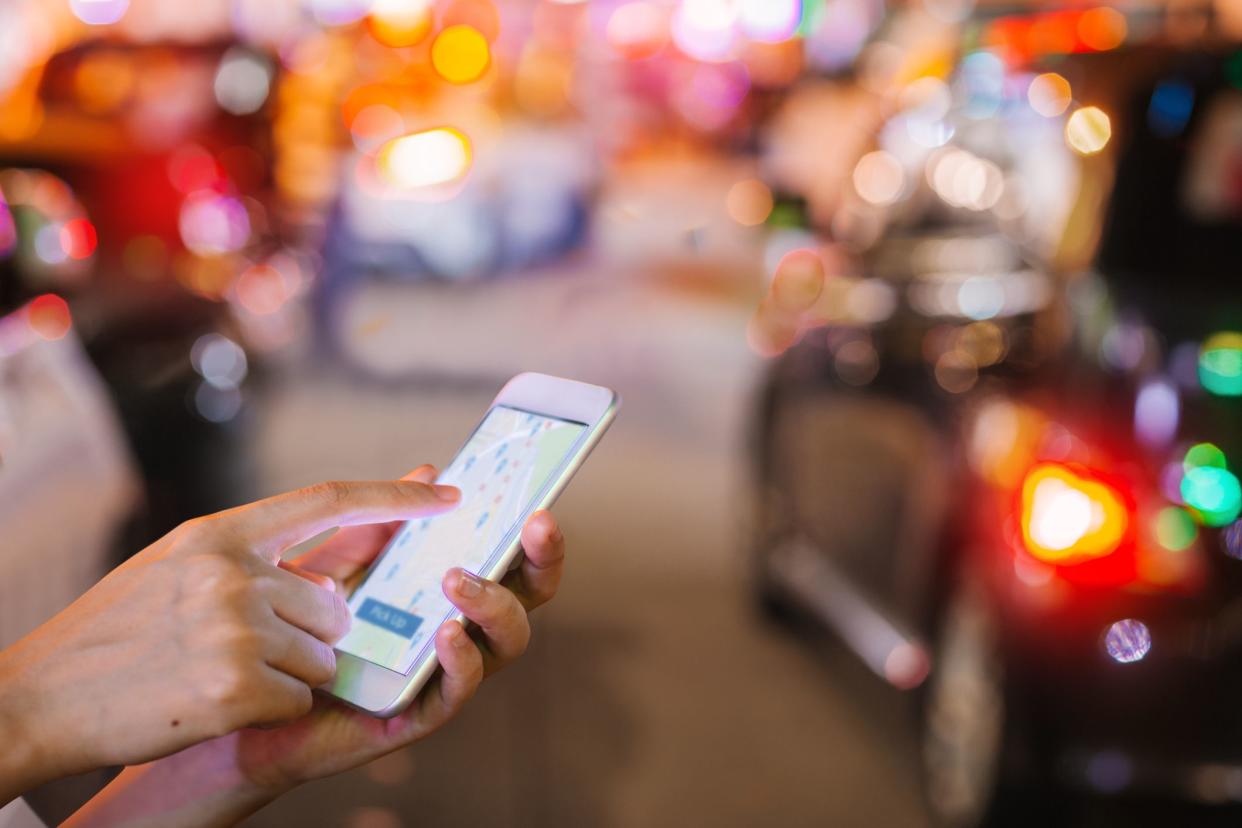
x=628, y=708
x=924, y=501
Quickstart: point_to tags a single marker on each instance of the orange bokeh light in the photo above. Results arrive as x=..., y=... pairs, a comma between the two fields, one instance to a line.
x=1102, y=29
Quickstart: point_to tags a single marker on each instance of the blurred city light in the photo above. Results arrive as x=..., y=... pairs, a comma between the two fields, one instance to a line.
x=1171, y=104
x=879, y=178
x=212, y=224
x=1175, y=529
x=749, y=202
x=99, y=12
x=1231, y=539
x=1088, y=130
x=1157, y=409
x=770, y=21
x=1214, y=493
x=1220, y=364
x=77, y=238
x=460, y=54
x=1049, y=94
x=638, y=30
x=1067, y=518
x=338, y=12
x=706, y=29
x=219, y=360
x=1102, y=28
x=1127, y=641
x=426, y=159
x=400, y=23
x=242, y=82
x=48, y=316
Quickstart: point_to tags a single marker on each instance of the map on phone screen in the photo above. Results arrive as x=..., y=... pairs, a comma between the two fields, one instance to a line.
x=501, y=470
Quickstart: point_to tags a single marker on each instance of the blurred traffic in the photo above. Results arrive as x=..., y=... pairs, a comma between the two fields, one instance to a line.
x=982, y=426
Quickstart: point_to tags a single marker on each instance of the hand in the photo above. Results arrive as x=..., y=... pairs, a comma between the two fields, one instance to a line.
x=194, y=637
x=221, y=781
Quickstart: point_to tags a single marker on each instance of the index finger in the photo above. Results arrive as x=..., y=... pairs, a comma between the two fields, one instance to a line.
x=273, y=525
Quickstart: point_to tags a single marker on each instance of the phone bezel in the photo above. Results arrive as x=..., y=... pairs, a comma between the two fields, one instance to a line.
x=383, y=692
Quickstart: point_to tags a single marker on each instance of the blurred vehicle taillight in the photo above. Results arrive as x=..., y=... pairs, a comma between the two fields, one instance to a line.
x=1069, y=517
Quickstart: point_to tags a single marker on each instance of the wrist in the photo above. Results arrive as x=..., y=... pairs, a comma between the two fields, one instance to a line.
x=25, y=761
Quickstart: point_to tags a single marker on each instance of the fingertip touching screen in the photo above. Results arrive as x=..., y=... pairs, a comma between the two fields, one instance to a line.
x=502, y=469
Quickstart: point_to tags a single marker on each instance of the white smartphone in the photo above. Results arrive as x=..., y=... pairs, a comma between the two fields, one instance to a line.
x=535, y=435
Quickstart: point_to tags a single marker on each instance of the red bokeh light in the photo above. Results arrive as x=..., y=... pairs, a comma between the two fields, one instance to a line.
x=78, y=239
x=48, y=316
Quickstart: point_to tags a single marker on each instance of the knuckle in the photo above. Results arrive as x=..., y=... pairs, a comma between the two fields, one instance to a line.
x=341, y=617
x=324, y=665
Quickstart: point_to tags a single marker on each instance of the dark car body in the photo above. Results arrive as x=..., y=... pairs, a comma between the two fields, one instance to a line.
x=897, y=508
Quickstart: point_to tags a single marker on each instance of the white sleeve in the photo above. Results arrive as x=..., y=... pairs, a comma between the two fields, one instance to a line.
x=17, y=814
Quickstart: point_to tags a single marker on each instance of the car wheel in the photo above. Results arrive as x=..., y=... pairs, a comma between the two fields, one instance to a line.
x=964, y=713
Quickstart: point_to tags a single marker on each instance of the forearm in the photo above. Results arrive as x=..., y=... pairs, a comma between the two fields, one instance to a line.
x=199, y=786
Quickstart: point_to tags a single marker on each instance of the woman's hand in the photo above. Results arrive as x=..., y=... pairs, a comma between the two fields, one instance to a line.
x=222, y=780
x=196, y=636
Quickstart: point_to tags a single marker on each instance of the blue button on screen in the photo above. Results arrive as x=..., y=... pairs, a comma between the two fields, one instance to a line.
x=389, y=618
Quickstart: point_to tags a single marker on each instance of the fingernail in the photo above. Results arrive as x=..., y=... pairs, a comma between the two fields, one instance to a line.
x=449, y=493
x=460, y=640
x=545, y=524
x=468, y=585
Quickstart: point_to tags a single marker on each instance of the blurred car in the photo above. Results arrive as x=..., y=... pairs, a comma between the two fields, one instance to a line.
x=135, y=196
x=1015, y=486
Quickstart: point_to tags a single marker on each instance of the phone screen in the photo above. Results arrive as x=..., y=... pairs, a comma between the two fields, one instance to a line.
x=501, y=471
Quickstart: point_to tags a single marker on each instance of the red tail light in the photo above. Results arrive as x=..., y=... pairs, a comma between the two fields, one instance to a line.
x=1070, y=517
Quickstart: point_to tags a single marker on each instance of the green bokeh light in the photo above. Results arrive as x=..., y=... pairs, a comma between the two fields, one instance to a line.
x=1204, y=454
x=1220, y=364
x=1214, y=493
x=1175, y=529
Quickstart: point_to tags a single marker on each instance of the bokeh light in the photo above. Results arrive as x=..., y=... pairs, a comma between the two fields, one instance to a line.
x=430, y=158
x=1204, y=455
x=48, y=316
x=879, y=178
x=1220, y=364
x=460, y=54
x=1214, y=493
x=1088, y=130
x=1231, y=540
x=770, y=21
x=338, y=12
x=400, y=23
x=637, y=30
x=1049, y=94
x=262, y=289
x=1068, y=518
x=1157, y=411
x=212, y=224
x=1172, y=103
x=706, y=29
x=242, y=81
x=749, y=202
x=1175, y=529
x=219, y=360
x=1127, y=641
x=99, y=12
x=77, y=238
x=1102, y=28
